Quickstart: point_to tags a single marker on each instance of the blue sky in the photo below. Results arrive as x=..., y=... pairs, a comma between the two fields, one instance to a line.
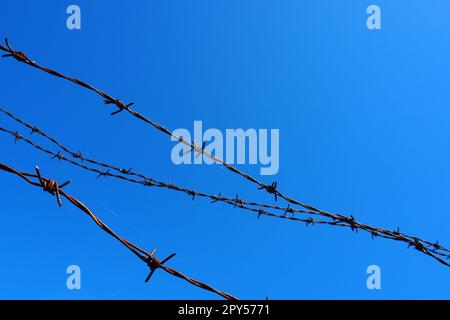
x=363, y=118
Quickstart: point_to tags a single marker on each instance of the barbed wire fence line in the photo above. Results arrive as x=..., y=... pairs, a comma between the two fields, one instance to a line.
x=56, y=190
x=418, y=243
x=103, y=169
x=434, y=249
x=124, y=174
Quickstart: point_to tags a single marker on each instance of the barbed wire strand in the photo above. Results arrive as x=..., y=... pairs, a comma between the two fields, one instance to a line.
x=20, y=56
x=434, y=249
x=52, y=187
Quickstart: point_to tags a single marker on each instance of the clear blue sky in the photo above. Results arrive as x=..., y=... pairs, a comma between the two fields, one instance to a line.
x=363, y=118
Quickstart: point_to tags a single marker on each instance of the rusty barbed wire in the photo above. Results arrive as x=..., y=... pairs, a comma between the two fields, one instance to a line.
x=434, y=249
x=52, y=187
x=350, y=221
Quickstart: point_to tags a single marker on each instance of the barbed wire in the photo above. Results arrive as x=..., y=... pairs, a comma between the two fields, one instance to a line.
x=55, y=189
x=434, y=249
x=420, y=244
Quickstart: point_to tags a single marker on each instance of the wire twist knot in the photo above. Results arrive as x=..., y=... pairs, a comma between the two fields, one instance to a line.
x=51, y=186
x=18, y=55
x=120, y=105
x=154, y=263
x=272, y=189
